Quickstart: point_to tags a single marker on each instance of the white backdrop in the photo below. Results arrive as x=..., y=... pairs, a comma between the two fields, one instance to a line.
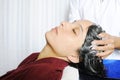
x=23, y=24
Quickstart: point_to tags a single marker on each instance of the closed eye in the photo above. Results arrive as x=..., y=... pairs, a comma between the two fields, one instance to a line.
x=74, y=31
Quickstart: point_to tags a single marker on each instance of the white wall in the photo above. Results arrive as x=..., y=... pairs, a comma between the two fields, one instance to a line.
x=23, y=24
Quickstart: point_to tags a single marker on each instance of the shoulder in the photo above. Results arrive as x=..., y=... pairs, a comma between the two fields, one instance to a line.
x=44, y=71
x=32, y=57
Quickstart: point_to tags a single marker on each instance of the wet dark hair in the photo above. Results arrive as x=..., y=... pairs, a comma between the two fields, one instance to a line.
x=91, y=64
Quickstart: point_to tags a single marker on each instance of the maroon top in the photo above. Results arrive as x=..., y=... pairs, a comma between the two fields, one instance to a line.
x=42, y=69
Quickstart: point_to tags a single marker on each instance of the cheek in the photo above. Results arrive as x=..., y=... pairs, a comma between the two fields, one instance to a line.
x=62, y=44
x=66, y=45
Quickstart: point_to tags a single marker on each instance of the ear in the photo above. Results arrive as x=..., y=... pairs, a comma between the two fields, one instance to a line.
x=73, y=58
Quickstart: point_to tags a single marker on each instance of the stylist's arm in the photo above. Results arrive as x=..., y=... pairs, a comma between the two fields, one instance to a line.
x=108, y=42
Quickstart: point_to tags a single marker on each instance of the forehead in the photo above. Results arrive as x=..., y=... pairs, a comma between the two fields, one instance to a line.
x=84, y=23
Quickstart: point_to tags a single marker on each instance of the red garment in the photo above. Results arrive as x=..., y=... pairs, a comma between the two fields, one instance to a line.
x=42, y=69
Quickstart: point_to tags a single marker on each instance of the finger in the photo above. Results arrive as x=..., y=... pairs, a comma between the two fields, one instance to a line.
x=104, y=54
x=103, y=42
x=104, y=48
x=104, y=35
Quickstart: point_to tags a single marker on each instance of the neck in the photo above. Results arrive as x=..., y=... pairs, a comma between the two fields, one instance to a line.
x=49, y=52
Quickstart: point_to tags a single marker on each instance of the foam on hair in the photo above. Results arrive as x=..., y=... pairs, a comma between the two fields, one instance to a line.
x=91, y=64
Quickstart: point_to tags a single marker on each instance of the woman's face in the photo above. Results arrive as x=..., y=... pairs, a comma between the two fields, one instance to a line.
x=67, y=38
